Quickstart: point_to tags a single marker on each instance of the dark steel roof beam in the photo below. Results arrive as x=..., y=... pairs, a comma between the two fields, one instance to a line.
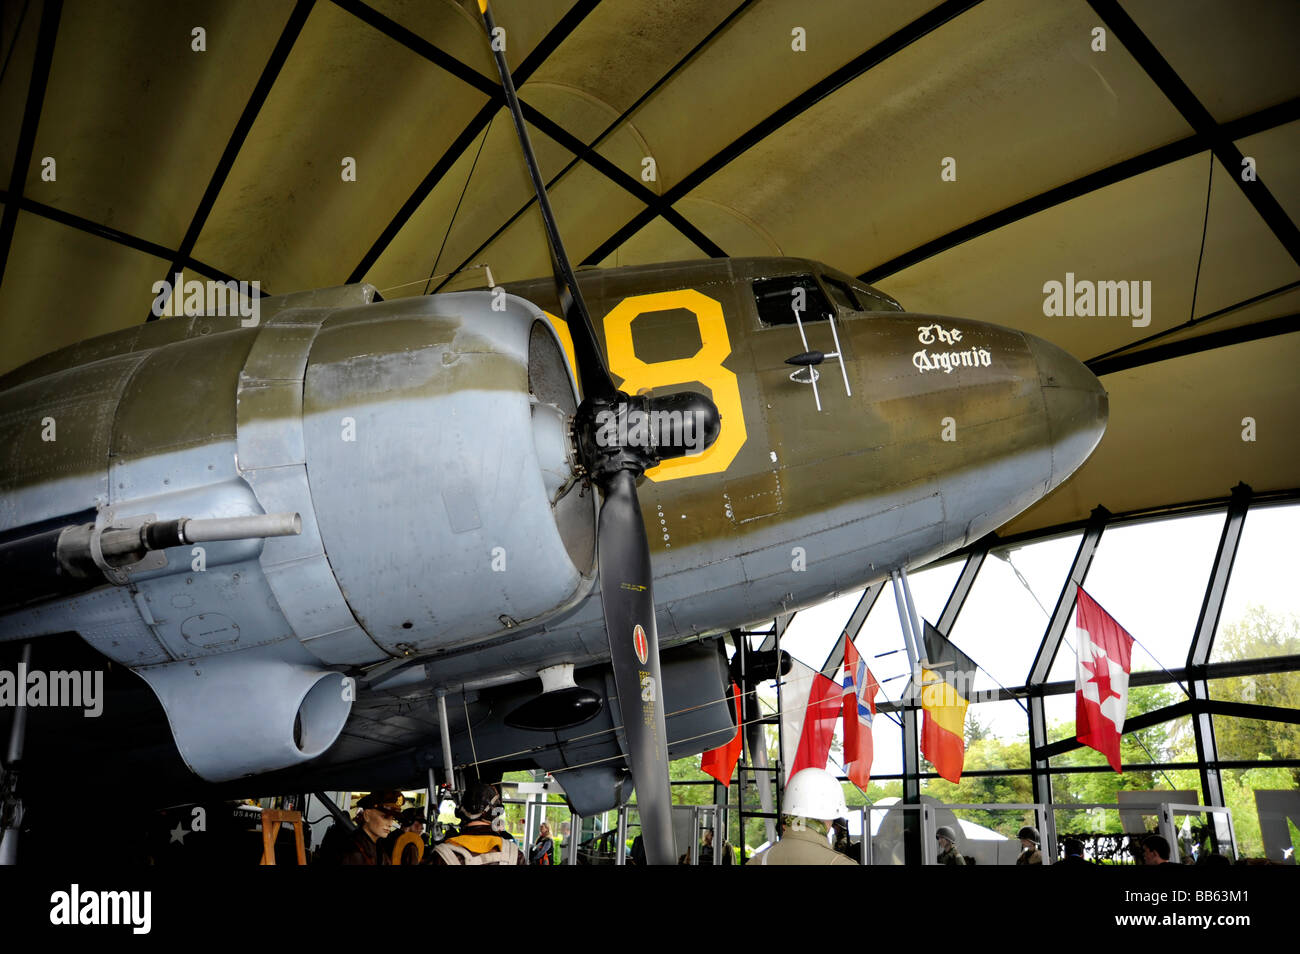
x=1198, y=117
x=1282, y=325
x=617, y=122
x=115, y=236
x=279, y=55
x=1261, y=121
x=850, y=71
x=555, y=131
x=48, y=33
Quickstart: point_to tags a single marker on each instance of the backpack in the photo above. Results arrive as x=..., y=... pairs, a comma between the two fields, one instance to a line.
x=453, y=854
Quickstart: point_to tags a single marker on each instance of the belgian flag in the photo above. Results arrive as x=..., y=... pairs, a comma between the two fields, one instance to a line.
x=946, y=677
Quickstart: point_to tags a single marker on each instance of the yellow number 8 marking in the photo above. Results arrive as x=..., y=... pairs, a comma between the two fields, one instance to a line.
x=705, y=366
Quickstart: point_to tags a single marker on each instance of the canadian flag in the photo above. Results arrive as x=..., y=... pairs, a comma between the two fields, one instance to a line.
x=1101, y=686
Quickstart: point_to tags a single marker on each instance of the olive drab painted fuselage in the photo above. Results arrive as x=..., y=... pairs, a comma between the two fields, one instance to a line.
x=425, y=443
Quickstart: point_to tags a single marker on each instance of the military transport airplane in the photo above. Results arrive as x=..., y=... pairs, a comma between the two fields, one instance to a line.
x=321, y=539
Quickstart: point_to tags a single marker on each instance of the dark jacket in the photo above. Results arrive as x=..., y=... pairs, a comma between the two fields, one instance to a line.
x=361, y=849
x=543, y=852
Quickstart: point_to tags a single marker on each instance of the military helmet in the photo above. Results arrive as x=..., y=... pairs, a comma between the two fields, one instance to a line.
x=814, y=793
x=479, y=801
x=1029, y=832
x=943, y=831
x=390, y=803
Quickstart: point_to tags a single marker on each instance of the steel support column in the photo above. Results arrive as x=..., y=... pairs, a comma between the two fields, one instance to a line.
x=911, y=787
x=11, y=804
x=835, y=659
x=1212, y=605
x=1207, y=750
x=960, y=590
x=1052, y=638
x=912, y=846
x=778, y=630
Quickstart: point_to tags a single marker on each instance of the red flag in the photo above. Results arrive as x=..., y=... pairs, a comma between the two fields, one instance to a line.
x=721, y=762
x=1101, y=686
x=810, y=705
x=860, y=690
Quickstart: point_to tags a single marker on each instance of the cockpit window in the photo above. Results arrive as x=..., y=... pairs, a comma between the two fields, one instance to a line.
x=873, y=300
x=841, y=293
x=777, y=298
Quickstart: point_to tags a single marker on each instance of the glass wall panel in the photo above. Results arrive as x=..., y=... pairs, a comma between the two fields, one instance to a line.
x=1262, y=605
x=1247, y=739
x=1151, y=578
x=1264, y=689
x=813, y=632
x=1265, y=805
x=1003, y=620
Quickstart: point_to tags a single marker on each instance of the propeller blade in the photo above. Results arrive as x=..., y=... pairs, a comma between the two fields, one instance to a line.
x=596, y=380
x=627, y=591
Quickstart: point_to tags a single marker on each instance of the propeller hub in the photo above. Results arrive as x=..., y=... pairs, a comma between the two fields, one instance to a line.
x=626, y=432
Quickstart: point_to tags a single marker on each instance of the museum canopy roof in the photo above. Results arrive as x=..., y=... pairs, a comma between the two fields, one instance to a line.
x=960, y=156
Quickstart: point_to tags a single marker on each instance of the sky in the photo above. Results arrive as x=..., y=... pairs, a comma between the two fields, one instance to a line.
x=1150, y=576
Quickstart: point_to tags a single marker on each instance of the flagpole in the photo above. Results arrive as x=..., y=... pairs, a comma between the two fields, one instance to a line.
x=909, y=640
x=912, y=617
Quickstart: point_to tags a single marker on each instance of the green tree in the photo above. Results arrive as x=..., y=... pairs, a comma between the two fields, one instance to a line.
x=1259, y=633
x=1152, y=745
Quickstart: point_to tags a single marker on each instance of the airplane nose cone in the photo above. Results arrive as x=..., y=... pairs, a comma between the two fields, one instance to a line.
x=1076, y=406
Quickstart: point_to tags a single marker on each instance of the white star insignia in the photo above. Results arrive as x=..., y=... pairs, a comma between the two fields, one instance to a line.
x=178, y=834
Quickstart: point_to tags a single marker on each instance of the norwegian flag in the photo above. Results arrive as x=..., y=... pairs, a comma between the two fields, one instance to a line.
x=860, y=690
x=1101, y=686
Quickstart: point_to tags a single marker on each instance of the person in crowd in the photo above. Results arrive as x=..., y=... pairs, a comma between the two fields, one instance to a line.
x=543, y=850
x=813, y=800
x=1155, y=850
x=1073, y=848
x=842, y=842
x=411, y=821
x=379, y=810
x=483, y=838
x=1029, y=855
x=947, y=839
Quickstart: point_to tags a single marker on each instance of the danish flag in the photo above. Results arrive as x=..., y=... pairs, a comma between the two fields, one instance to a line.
x=1101, y=686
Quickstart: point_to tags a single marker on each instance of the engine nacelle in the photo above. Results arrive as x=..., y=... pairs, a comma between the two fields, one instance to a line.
x=437, y=453
x=252, y=711
x=421, y=447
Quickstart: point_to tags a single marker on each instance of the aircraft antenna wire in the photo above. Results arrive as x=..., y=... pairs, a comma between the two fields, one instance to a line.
x=469, y=728
x=465, y=188
x=593, y=735
x=1205, y=229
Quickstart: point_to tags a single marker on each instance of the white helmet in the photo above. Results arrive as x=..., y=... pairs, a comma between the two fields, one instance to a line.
x=814, y=793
